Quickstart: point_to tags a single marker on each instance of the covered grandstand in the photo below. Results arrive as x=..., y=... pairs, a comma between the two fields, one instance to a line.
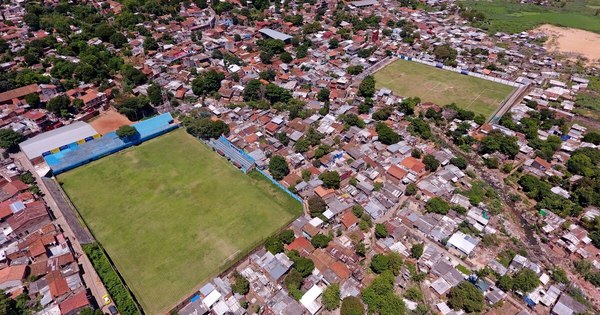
x=238, y=157
x=75, y=154
x=52, y=141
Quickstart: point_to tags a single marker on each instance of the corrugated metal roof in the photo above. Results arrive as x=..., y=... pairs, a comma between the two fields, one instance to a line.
x=34, y=147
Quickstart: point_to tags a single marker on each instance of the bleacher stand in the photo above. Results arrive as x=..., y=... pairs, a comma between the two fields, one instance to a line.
x=237, y=157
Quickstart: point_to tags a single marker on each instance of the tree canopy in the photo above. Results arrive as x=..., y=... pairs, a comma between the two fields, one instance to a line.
x=207, y=82
x=278, y=167
x=386, y=135
x=331, y=179
x=127, y=132
x=10, y=139
x=467, y=297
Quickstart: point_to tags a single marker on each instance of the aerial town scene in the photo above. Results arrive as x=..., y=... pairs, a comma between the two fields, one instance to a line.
x=300, y=157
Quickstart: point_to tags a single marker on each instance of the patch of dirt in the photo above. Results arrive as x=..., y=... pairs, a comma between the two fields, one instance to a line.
x=572, y=42
x=108, y=121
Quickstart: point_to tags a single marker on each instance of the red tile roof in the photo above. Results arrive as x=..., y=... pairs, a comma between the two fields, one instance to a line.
x=74, y=303
x=348, y=219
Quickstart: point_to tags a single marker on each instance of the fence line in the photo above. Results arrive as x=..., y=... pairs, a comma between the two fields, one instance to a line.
x=279, y=185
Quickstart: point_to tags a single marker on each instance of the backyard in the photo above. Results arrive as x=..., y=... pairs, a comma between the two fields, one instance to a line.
x=171, y=213
x=442, y=87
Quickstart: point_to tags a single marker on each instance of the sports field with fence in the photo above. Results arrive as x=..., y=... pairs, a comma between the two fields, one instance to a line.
x=171, y=213
x=442, y=87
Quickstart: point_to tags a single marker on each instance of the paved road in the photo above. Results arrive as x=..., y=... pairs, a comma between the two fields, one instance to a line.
x=81, y=233
x=90, y=277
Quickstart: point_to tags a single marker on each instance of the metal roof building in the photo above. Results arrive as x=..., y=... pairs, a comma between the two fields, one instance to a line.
x=275, y=34
x=47, y=141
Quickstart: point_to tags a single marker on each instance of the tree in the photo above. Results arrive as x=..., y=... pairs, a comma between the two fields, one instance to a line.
x=265, y=57
x=331, y=179
x=3, y=46
x=293, y=282
x=419, y=127
x=559, y=275
x=155, y=94
x=104, y=31
x=118, y=40
x=352, y=305
x=320, y=240
x=459, y=162
x=467, y=297
x=286, y=57
x=380, y=297
x=411, y=189
x=334, y=43
x=303, y=265
x=437, y=205
x=150, y=44
x=416, y=250
x=274, y=245
x=316, y=205
x=331, y=297
x=10, y=139
x=381, y=231
x=205, y=128
x=497, y=141
x=207, y=82
x=252, y=90
x=445, y=53
x=127, y=132
x=525, y=280
x=287, y=236
x=134, y=108
x=32, y=99
x=367, y=87
x=59, y=105
x=323, y=95
x=431, y=163
x=592, y=137
x=380, y=263
x=241, y=285
x=278, y=167
x=133, y=76
x=386, y=135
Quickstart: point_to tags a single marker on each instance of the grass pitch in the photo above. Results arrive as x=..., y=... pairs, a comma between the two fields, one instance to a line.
x=442, y=87
x=171, y=213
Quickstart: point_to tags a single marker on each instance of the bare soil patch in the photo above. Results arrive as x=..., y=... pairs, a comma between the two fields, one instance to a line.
x=572, y=42
x=109, y=121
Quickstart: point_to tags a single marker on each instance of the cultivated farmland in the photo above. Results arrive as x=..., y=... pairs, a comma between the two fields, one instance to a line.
x=171, y=213
x=412, y=79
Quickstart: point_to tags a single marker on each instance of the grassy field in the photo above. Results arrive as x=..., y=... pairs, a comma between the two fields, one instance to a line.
x=514, y=17
x=410, y=79
x=172, y=213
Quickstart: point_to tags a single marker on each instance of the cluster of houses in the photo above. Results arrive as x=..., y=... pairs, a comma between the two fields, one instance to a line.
x=37, y=263
x=373, y=175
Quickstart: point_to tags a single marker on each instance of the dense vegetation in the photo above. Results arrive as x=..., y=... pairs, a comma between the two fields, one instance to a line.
x=111, y=280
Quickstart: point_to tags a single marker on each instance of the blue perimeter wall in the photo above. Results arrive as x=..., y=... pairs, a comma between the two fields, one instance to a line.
x=74, y=155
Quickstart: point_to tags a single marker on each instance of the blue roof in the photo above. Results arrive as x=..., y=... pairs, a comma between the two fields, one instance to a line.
x=73, y=155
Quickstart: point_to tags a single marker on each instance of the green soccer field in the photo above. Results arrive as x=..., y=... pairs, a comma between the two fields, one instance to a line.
x=171, y=213
x=442, y=87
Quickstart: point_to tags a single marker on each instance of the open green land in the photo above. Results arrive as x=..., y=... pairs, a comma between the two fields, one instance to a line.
x=442, y=87
x=171, y=213
x=513, y=17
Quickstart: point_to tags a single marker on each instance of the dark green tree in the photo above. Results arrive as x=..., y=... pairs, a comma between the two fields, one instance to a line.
x=278, y=167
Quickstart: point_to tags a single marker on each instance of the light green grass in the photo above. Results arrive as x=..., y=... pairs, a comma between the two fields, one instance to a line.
x=171, y=213
x=513, y=17
x=442, y=87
